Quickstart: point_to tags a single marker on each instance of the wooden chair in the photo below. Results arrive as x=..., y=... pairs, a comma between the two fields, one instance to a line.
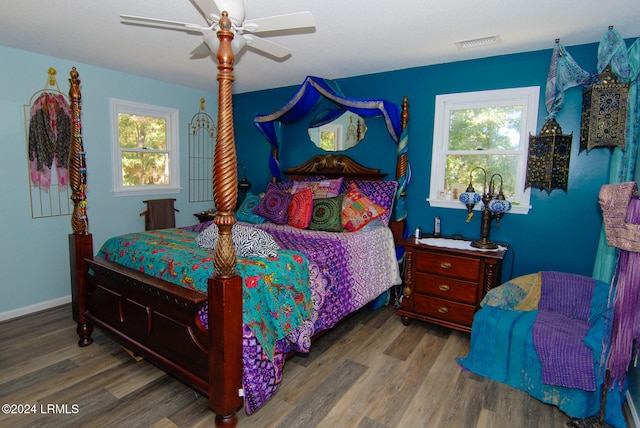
x=160, y=214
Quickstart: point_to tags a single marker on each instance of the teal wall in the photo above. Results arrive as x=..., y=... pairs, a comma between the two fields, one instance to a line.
x=34, y=261
x=561, y=230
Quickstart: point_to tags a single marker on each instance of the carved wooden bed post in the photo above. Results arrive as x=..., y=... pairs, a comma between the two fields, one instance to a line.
x=80, y=241
x=225, y=289
x=398, y=227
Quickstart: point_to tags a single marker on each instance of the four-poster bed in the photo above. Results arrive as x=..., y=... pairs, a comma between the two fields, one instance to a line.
x=160, y=320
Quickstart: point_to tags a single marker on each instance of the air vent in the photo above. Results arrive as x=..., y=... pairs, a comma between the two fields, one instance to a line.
x=476, y=43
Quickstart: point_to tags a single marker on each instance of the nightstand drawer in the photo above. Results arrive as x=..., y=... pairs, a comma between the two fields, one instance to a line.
x=445, y=264
x=446, y=288
x=445, y=310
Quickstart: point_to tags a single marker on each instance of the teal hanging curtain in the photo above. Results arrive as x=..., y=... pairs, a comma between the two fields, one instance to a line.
x=625, y=64
x=312, y=91
x=564, y=74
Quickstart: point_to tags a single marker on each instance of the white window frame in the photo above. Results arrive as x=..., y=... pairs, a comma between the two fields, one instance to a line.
x=527, y=97
x=171, y=117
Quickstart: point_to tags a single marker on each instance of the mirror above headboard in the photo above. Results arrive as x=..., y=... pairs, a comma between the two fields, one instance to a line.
x=337, y=130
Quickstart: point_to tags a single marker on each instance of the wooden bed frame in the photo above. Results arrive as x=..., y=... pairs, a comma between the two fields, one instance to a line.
x=159, y=320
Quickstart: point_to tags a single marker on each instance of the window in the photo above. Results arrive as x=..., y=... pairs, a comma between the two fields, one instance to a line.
x=489, y=129
x=145, y=149
x=331, y=137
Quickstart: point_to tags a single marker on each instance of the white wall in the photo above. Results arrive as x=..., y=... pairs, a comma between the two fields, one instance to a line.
x=34, y=264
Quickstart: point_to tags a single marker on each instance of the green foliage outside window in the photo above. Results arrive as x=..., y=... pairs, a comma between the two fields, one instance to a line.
x=143, y=142
x=486, y=137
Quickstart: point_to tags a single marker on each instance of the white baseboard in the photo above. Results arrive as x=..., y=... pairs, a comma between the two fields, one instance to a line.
x=631, y=407
x=15, y=313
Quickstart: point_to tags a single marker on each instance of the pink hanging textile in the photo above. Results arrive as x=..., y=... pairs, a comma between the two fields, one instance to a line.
x=49, y=139
x=621, y=212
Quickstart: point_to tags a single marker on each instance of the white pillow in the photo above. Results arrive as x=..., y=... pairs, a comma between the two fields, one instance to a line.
x=248, y=241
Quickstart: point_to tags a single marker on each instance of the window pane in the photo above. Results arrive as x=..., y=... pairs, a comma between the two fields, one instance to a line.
x=328, y=140
x=488, y=128
x=459, y=167
x=140, y=132
x=145, y=168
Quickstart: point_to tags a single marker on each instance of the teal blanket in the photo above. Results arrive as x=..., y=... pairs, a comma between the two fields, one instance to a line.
x=502, y=349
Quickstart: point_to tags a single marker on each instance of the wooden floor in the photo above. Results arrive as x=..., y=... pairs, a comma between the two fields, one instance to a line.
x=370, y=372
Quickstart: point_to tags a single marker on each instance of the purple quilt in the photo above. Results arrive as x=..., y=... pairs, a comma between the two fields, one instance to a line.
x=346, y=271
x=560, y=328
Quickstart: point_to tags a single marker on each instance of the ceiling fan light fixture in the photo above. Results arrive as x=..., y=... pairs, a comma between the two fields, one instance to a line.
x=235, y=9
x=476, y=43
x=211, y=40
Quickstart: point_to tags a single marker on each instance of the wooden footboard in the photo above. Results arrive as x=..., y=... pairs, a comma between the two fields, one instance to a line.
x=155, y=319
x=160, y=321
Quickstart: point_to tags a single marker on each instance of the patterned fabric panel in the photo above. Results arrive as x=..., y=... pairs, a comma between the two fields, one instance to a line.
x=276, y=295
x=300, y=209
x=245, y=212
x=327, y=214
x=382, y=193
x=358, y=210
x=275, y=205
x=321, y=189
x=247, y=241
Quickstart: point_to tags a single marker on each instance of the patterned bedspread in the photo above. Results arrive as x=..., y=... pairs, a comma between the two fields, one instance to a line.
x=344, y=272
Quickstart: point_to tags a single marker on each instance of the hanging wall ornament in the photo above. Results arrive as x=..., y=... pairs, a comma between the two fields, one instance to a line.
x=550, y=151
x=548, y=161
x=605, y=104
x=604, y=112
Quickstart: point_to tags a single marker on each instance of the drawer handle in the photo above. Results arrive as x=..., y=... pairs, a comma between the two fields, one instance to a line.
x=443, y=287
x=445, y=265
x=443, y=310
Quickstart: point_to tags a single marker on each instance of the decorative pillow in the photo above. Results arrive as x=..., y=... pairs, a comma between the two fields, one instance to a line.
x=521, y=294
x=382, y=193
x=327, y=214
x=248, y=241
x=288, y=184
x=321, y=189
x=275, y=205
x=245, y=212
x=300, y=209
x=358, y=210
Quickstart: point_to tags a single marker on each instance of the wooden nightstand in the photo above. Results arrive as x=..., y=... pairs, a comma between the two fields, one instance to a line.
x=445, y=285
x=205, y=216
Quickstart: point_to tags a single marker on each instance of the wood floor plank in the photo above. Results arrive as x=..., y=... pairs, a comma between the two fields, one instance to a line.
x=370, y=372
x=317, y=402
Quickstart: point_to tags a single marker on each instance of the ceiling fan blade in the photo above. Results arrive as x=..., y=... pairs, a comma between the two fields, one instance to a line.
x=270, y=48
x=280, y=22
x=209, y=9
x=212, y=10
x=201, y=50
x=155, y=22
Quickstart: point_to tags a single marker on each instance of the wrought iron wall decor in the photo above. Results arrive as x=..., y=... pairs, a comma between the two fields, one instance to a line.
x=604, y=112
x=202, y=138
x=48, y=131
x=548, y=161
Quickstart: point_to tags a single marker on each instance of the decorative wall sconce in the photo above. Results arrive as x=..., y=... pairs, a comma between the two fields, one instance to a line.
x=604, y=112
x=243, y=185
x=548, y=161
x=494, y=206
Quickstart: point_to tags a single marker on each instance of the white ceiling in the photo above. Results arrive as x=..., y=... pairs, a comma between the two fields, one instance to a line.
x=352, y=37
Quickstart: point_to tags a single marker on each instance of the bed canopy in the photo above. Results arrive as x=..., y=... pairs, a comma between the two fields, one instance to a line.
x=310, y=94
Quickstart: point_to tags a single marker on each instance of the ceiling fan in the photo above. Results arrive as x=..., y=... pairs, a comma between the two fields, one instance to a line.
x=244, y=31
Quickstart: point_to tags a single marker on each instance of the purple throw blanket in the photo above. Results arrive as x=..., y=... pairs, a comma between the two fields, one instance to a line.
x=560, y=328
